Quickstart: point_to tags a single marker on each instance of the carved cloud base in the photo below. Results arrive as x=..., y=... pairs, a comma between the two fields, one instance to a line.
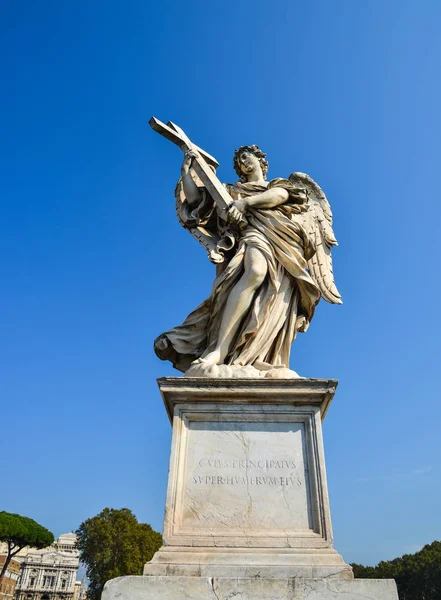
x=247, y=493
x=203, y=369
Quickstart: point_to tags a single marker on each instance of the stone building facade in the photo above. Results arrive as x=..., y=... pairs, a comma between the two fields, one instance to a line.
x=49, y=574
x=10, y=578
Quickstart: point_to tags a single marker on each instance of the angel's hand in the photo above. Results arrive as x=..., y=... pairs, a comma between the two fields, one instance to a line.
x=237, y=211
x=189, y=155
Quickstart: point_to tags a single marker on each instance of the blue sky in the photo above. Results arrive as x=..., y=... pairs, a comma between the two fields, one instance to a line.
x=94, y=264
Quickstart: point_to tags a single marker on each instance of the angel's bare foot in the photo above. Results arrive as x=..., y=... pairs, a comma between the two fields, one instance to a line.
x=212, y=358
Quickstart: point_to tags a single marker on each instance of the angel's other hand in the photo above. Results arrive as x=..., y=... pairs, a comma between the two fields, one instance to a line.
x=236, y=212
x=233, y=216
x=241, y=205
x=238, y=207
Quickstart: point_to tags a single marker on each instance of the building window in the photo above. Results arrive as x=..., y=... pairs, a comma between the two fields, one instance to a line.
x=48, y=581
x=32, y=581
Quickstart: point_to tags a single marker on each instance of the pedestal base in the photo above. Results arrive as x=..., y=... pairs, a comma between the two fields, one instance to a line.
x=227, y=588
x=248, y=563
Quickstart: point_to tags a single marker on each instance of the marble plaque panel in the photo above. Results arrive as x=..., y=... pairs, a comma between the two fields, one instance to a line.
x=245, y=473
x=246, y=476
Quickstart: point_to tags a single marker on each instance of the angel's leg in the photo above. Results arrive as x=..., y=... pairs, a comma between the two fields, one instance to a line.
x=239, y=301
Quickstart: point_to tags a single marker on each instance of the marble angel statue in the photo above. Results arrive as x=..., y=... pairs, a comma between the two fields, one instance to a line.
x=273, y=255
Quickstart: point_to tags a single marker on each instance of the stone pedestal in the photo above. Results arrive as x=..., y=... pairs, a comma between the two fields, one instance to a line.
x=247, y=511
x=247, y=494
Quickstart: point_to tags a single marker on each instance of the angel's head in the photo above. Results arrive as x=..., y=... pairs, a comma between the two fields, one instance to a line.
x=249, y=159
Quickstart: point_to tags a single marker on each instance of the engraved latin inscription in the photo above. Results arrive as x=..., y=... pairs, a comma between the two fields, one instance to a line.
x=219, y=480
x=266, y=466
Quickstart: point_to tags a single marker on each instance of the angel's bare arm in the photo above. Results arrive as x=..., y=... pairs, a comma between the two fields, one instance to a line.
x=191, y=190
x=267, y=199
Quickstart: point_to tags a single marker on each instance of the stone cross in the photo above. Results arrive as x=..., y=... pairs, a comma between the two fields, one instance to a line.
x=202, y=164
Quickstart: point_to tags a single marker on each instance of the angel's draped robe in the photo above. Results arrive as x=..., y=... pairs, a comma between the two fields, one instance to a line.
x=283, y=305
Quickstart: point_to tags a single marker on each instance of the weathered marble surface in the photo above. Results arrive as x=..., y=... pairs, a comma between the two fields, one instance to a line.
x=262, y=563
x=247, y=494
x=212, y=588
x=272, y=241
x=247, y=539
x=298, y=392
x=244, y=473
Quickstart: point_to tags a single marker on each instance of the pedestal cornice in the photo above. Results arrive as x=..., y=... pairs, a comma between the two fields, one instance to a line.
x=295, y=392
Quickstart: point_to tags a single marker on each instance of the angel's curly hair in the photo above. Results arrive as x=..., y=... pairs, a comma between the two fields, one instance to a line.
x=261, y=157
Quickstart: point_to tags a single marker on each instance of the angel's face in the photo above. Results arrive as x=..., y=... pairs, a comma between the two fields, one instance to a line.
x=248, y=162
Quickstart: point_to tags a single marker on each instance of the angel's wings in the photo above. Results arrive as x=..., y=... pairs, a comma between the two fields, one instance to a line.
x=318, y=224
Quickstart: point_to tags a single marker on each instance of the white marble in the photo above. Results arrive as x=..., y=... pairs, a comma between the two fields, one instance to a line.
x=245, y=474
x=212, y=588
x=204, y=369
x=272, y=241
x=247, y=492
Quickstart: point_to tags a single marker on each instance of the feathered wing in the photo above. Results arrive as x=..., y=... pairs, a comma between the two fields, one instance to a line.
x=318, y=223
